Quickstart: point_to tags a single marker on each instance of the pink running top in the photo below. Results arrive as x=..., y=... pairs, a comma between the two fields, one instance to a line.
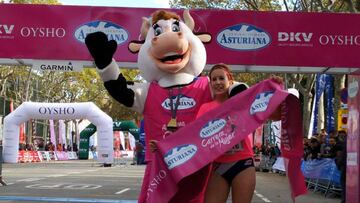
x=243, y=150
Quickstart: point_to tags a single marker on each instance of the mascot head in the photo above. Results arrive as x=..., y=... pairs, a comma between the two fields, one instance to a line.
x=170, y=52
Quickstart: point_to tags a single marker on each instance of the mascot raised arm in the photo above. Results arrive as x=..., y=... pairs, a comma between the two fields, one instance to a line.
x=170, y=58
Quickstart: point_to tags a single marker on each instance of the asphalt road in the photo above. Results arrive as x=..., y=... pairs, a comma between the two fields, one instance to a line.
x=87, y=181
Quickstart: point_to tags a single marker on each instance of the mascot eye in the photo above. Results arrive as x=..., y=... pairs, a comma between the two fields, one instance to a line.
x=158, y=31
x=175, y=27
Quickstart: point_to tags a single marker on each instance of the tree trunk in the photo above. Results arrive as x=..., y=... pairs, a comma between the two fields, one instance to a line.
x=307, y=106
x=321, y=113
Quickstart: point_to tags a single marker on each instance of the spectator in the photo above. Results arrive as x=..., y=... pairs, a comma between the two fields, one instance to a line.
x=323, y=144
x=59, y=147
x=139, y=148
x=74, y=147
x=307, y=148
x=330, y=150
x=51, y=146
x=323, y=133
x=47, y=147
x=340, y=161
x=93, y=151
x=277, y=151
x=314, y=149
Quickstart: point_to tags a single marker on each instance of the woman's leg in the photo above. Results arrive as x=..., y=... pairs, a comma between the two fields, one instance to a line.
x=217, y=190
x=243, y=186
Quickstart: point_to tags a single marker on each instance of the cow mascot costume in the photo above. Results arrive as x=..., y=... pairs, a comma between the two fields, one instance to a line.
x=170, y=58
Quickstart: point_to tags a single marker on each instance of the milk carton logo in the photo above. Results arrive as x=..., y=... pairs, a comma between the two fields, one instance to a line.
x=184, y=102
x=179, y=155
x=353, y=88
x=261, y=102
x=243, y=37
x=112, y=30
x=212, y=127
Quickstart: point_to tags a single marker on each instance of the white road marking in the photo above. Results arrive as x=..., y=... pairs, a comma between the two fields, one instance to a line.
x=74, y=173
x=65, y=186
x=122, y=191
x=261, y=196
x=29, y=179
x=92, y=170
x=56, y=175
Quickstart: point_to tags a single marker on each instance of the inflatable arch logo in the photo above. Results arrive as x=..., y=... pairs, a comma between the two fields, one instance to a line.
x=58, y=111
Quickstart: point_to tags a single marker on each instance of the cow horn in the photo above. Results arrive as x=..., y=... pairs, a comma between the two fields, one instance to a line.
x=189, y=21
x=144, y=28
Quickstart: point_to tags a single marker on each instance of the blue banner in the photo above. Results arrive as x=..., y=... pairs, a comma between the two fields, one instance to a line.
x=319, y=89
x=322, y=169
x=142, y=134
x=329, y=93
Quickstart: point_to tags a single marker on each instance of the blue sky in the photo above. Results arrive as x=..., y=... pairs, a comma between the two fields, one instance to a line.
x=119, y=3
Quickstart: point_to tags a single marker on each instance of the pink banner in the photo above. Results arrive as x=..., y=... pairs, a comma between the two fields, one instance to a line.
x=52, y=134
x=175, y=169
x=353, y=142
x=258, y=134
x=241, y=37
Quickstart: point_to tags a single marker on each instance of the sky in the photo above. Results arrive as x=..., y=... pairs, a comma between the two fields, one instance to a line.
x=119, y=3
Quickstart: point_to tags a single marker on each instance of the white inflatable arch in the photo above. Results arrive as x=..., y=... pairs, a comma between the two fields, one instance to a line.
x=57, y=111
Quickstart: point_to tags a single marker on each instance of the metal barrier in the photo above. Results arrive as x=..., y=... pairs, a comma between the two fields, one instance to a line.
x=322, y=175
x=1, y=161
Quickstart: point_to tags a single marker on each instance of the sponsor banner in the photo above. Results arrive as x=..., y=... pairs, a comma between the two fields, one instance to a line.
x=275, y=133
x=342, y=119
x=279, y=164
x=329, y=93
x=183, y=158
x=72, y=155
x=259, y=38
x=319, y=89
x=352, y=159
x=258, y=136
x=53, y=156
x=353, y=142
x=45, y=155
x=57, y=66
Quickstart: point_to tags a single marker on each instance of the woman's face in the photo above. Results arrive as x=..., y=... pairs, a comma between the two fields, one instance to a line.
x=220, y=82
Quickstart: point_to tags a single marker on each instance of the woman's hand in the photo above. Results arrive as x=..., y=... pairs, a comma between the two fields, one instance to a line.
x=153, y=145
x=277, y=79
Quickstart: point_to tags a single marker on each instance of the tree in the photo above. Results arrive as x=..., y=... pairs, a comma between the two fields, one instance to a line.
x=50, y=2
x=257, y=5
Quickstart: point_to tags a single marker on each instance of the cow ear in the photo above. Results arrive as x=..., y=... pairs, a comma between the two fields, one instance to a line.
x=204, y=37
x=134, y=46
